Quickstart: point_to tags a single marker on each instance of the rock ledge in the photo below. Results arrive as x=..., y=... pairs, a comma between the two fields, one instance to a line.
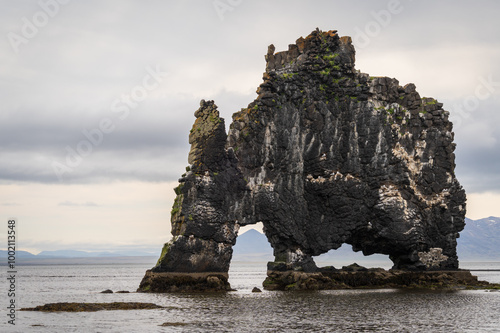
x=164, y=282
x=373, y=278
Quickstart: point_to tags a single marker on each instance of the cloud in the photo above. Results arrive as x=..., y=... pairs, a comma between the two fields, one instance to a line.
x=10, y=204
x=108, y=213
x=91, y=53
x=481, y=205
x=74, y=204
x=151, y=144
x=478, y=144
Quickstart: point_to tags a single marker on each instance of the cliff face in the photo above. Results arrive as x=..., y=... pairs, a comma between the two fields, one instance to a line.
x=203, y=233
x=325, y=155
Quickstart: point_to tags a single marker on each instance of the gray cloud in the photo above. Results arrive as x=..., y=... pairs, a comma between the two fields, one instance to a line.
x=75, y=204
x=66, y=78
x=478, y=147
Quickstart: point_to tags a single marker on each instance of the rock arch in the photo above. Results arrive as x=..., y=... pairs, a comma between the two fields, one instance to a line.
x=325, y=155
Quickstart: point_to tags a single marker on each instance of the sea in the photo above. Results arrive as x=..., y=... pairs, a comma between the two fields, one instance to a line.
x=385, y=310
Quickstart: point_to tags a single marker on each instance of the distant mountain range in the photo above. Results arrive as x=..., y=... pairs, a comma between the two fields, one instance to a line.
x=252, y=246
x=479, y=241
x=78, y=254
x=85, y=254
x=72, y=257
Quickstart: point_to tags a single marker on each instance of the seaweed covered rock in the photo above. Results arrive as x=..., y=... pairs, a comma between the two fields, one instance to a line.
x=374, y=278
x=92, y=307
x=325, y=155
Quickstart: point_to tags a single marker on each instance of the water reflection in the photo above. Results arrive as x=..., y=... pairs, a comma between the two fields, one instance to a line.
x=388, y=310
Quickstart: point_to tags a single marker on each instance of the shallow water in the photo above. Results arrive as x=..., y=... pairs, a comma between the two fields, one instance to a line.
x=388, y=310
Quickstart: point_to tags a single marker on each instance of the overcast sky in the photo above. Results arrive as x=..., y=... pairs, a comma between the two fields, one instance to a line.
x=97, y=98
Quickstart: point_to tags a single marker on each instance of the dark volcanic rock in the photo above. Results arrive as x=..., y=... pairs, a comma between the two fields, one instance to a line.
x=374, y=278
x=354, y=268
x=91, y=307
x=325, y=155
x=203, y=231
x=163, y=282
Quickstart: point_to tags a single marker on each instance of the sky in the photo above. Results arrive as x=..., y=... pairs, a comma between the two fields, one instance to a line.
x=97, y=98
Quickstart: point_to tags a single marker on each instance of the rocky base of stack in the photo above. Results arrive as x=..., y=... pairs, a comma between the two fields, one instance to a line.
x=166, y=282
x=373, y=278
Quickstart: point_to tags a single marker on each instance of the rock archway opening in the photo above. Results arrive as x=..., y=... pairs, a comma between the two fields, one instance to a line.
x=251, y=253
x=345, y=256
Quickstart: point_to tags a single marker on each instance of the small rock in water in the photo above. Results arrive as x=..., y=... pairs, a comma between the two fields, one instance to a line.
x=123, y=292
x=173, y=324
x=256, y=290
x=107, y=291
x=91, y=307
x=354, y=268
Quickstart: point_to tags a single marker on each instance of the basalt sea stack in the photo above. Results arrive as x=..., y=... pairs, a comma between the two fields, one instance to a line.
x=325, y=155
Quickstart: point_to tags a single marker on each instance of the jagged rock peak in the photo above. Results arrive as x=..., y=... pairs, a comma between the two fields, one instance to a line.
x=312, y=45
x=207, y=139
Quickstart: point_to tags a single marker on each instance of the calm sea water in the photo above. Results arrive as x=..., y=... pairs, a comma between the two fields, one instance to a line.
x=387, y=310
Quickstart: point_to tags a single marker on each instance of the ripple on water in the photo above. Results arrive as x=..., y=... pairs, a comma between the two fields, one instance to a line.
x=386, y=310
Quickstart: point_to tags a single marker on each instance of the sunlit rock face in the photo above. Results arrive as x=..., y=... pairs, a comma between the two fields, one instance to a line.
x=325, y=155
